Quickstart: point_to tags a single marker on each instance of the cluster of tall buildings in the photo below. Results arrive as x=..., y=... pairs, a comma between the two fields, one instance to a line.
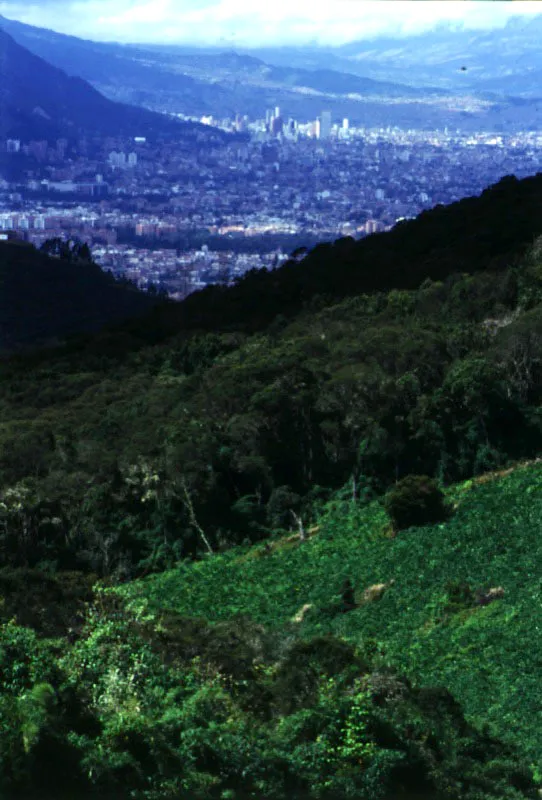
x=321, y=128
x=275, y=124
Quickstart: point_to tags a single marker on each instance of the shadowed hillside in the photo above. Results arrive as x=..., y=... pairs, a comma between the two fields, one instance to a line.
x=44, y=298
x=476, y=234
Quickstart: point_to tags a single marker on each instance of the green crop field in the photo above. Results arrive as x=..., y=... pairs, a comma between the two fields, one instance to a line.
x=490, y=657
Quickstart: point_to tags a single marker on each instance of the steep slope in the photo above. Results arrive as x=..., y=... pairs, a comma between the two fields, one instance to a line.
x=143, y=701
x=429, y=622
x=411, y=351
x=159, y=445
x=39, y=101
x=107, y=65
x=254, y=672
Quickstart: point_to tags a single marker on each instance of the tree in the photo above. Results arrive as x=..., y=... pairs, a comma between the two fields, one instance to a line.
x=414, y=501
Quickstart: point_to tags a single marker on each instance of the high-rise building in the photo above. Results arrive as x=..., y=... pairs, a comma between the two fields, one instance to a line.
x=325, y=125
x=119, y=159
x=277, y=126
x=277, y=111
x=132, y=160
x=346, y=124
x=13, y=145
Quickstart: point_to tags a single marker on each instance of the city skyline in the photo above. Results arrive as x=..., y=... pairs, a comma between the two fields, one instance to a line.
x=241, y=23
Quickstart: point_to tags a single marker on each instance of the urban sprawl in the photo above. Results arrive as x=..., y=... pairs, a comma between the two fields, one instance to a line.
x=181, y=215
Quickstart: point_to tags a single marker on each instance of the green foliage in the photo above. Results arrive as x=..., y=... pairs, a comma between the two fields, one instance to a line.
x=415, y=500
x=433, y=628
x=297, y=678
x=35, y=710
x=177, y=444
x=122, y=454
x=159, y=704
x=24, y=659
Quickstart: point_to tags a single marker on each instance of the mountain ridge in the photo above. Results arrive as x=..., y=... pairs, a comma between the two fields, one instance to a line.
x=223, y=84
x=39, y=100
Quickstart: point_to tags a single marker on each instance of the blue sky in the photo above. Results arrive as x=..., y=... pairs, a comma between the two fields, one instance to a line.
x=257, y=22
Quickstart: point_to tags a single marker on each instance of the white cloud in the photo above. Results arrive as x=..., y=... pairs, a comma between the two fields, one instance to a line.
x=246, y=22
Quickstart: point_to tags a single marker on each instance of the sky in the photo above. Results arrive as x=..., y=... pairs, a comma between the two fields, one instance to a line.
x=259, y=22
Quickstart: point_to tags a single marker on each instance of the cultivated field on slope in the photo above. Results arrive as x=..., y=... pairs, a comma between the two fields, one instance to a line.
x=427, y=624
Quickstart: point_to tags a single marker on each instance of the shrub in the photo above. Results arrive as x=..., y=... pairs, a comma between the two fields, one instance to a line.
x=415, y=500
x=297, y=677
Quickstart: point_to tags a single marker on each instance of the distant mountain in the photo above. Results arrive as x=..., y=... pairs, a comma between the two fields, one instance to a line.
x=250, y=69
x=506, y=60
x=208, y=81
x=38, y=100
x=109, y=67
x=200, y=81
x=445, y=77
x=44, y=299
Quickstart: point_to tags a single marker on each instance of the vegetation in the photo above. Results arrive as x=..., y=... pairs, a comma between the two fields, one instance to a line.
x=415, y=500
x=124, y=451
x=197, y=682
x=460, y=606
x=44, y=299
x=203, y=590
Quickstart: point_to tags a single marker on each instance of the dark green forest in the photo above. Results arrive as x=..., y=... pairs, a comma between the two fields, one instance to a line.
x=229, y=424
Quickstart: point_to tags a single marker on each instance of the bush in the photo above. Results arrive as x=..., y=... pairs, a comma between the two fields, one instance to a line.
x=415, y=500
x=297, y=677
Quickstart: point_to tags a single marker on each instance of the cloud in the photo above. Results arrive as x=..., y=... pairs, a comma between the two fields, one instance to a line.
x=246, y=22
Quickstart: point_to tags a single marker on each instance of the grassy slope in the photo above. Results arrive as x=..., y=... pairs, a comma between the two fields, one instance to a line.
x=489, y=657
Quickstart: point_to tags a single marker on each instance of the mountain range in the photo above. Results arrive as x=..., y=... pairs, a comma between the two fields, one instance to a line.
x=199, y=82
x=413, y=83
x=504, y=60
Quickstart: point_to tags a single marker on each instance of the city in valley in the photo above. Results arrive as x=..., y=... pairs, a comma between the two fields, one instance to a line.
x=180, y=216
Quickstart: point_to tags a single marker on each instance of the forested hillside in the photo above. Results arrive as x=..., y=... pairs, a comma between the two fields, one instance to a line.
x=145, y=453
x=249, y=440
x=46, y=296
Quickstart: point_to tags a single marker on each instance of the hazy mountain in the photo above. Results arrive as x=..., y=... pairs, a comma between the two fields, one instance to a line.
x=506, y=60
x=38, y=100
x=202, y=81
x=207, y=64
x=111, y=68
